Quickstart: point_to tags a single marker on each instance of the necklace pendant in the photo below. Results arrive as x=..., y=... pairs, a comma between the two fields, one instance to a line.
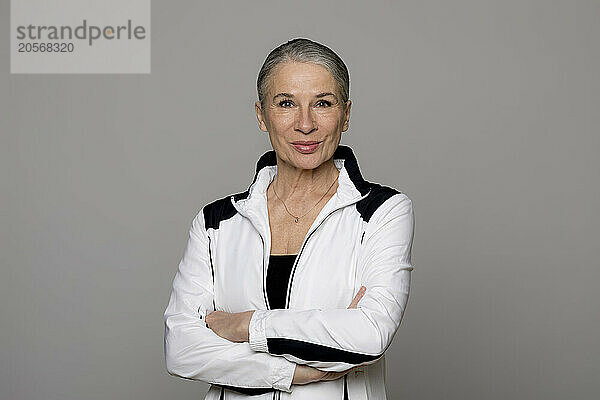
x=296, y=220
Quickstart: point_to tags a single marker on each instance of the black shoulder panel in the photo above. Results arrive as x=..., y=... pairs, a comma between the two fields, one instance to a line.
x=217, y=211
x=379, y=194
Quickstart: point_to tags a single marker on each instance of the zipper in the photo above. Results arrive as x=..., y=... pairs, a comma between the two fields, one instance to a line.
x=291, y=280
x=276, y=393
x=346, y=387
x=212, y=271
x=264, y=289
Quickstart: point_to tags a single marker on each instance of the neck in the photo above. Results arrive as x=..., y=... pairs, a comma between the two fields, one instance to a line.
x=304, y=183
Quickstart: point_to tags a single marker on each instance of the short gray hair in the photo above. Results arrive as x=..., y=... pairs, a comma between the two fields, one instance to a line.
x=304, y=50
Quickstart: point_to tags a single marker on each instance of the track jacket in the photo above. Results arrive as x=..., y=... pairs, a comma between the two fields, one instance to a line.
x=362, y=236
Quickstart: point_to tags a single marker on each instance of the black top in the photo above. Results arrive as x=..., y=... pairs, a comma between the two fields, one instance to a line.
x=278, y=275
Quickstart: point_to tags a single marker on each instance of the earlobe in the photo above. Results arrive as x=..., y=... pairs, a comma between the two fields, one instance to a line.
x=347, y=120
x=260, y=117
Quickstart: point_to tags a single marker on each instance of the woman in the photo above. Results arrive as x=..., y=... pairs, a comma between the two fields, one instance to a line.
x=294, y=288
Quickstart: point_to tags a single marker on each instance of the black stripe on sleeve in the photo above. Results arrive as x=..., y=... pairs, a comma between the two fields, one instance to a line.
x=247, y=391
x=315, y=352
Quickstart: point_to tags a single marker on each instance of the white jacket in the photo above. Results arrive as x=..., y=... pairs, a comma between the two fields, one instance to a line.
x=362, y=236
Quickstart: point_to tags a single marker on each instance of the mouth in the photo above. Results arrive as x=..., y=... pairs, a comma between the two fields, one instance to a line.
x=306, y=147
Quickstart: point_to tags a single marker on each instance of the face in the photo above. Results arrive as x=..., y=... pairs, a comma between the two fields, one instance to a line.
x=303, y=114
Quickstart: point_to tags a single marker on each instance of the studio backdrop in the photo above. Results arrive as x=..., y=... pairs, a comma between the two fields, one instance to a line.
x=485, y=113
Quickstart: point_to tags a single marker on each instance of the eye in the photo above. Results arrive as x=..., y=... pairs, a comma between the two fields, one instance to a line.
x=283, y=103
x=324, y=103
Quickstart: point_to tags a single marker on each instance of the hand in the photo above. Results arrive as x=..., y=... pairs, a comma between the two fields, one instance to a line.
x=303, y=374
x=231, y=326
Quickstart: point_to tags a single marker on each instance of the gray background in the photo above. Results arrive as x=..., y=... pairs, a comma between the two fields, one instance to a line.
x=484, y=113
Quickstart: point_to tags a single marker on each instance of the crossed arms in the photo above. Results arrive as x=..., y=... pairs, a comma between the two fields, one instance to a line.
x=330, y=340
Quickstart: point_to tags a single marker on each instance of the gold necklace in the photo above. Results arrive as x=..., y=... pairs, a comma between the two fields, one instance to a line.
x=298, y=217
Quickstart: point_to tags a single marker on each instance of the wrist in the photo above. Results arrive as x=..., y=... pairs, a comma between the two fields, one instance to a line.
x=244, y=328
x=257, y=337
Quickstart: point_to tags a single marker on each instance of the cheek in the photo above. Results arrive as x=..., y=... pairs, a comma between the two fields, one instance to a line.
x=280, y=120
x=330, y=120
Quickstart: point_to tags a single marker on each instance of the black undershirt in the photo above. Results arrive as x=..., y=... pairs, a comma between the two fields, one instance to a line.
x=278, y=275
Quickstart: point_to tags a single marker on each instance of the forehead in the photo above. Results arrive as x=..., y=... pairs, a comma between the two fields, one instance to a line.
x=296, y=77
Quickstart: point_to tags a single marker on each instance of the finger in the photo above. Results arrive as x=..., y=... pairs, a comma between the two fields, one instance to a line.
x=356, y=299
x=359, y=295
x=331, y=376
x=209, y=319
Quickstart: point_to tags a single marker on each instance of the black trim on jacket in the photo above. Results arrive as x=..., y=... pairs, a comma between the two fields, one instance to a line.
x=247, y=391
x=315, y=352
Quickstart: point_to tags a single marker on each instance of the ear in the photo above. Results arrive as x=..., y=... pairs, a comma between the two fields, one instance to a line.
x=260, y=117
x=347, y=116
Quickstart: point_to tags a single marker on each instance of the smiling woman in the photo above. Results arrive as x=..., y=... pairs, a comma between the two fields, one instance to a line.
x=295, y=287
x=303, y=116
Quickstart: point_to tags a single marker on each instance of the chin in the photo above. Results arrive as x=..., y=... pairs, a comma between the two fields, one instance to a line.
x=308, y=161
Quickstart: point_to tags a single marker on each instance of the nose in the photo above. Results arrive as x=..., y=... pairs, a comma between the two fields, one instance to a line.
x=304, y=120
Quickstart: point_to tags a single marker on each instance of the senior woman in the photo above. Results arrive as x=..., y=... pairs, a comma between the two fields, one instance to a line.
x=294, y=288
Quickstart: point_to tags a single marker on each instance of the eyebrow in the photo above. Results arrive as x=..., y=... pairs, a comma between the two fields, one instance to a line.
x=324, y=94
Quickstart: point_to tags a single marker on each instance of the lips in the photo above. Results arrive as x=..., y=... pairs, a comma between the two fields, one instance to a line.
x=306, y=147
x=305, y=143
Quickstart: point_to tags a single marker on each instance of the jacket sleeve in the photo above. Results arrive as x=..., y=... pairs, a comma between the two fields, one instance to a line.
x=338, y=339
x=192, y=350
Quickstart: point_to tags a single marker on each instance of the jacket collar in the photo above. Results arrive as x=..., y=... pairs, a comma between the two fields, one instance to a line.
x=351, y=184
